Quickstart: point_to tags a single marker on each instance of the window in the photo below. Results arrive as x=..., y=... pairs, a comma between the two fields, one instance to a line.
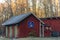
x=30, y=24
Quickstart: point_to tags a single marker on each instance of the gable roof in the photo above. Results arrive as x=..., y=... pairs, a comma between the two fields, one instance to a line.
x=17, y=19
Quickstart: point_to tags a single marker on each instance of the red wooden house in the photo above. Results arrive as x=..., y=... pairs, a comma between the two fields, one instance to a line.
x=23, y=25
x=52, y=27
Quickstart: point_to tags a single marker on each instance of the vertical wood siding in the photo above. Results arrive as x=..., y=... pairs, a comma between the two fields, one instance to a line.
x=6, y=32
x=13, y=34
x=15, y=31
x=24, y=29
x=10, y=31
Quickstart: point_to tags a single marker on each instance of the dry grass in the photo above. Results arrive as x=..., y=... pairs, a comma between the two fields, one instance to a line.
x=52, y=38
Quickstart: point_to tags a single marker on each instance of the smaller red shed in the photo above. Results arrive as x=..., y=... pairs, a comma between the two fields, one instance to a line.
x=23, y=25
x=53, y=26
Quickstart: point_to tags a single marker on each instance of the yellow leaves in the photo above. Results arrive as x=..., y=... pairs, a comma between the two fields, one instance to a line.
x=1, y=8
x=59, y=13
x=19, y=1
x=41, y=13
x=23, y=4
x=13, y=6
x=56, y=1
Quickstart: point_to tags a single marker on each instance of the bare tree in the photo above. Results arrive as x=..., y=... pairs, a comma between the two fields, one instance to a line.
x=48, y=7
x=6, y=14
x=7, y=11
x=34, y=6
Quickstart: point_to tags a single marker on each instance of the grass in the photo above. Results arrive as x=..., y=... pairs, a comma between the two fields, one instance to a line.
x=51, y=38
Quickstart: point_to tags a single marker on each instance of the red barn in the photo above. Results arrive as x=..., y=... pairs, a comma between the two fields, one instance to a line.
x=52, y=27
x=24, y=25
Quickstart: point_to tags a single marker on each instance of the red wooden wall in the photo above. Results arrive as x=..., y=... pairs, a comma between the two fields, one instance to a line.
x=13, y=34
x=54, y=24
x=23, y=30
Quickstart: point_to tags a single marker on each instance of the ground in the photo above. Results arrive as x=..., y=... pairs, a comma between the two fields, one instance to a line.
x=51, y=38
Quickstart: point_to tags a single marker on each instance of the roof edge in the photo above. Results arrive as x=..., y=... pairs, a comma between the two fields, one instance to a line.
x=38, y=18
